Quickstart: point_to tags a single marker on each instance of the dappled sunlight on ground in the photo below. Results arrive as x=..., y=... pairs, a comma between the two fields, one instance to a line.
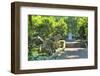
x=70, y=53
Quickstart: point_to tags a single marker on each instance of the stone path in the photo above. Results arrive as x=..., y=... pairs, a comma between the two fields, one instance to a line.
x=73, y=50
x=74, y=44
x=73, y=53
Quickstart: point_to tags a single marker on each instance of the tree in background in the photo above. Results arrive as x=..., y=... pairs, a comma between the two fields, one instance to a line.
x=82, y=26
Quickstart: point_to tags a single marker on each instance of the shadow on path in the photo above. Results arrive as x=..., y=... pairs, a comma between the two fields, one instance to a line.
x=74, y=54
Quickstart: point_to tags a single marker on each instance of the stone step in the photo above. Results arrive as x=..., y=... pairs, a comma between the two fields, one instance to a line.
x=73, y=44
x=76, y=53
x=74, y=49
x=71, y=53
x=72, y=57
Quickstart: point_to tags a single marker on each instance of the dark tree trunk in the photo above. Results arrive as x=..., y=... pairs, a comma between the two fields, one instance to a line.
x=30, y=20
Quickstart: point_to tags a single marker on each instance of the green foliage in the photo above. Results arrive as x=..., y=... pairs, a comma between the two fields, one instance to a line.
x=82, y=26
